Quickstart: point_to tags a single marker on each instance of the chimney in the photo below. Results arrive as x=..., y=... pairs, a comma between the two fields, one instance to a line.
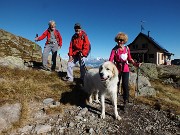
x=148, y=33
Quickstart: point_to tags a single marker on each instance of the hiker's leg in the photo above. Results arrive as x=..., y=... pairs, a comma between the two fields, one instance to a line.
x=47, y=49
x=54, y=55
x=82, y=68
x=119, y=91
x=70, y=66
x=125, y=85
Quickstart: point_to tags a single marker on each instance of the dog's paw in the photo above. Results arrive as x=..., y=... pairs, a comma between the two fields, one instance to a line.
x=102, y=116
x=118, y=117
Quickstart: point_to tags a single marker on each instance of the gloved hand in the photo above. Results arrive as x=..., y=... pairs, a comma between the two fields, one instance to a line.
x=137, y=64
x=70, y=58
x=80, y=54
x=59, y=47
x=36, y=39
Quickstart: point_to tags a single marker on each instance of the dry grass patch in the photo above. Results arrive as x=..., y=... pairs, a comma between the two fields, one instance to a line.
x=167, y=96
x=25, y=86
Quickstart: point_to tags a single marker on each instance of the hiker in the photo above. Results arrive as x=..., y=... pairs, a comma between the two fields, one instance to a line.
x=78, y=50
x=53, y=44
x=120, y=55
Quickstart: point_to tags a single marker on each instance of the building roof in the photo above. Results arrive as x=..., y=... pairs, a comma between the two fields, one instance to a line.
x=150, y=39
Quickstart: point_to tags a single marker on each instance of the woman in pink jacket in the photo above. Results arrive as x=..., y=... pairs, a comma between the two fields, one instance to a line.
x=121, y=55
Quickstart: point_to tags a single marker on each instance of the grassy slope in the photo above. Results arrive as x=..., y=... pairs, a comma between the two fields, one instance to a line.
x=32, y=85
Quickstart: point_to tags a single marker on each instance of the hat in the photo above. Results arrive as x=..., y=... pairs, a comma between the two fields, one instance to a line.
x=77, y=26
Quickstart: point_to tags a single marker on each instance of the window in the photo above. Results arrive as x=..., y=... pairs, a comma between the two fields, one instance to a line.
x=151, y=56
x=135, y=46
x=144, y=45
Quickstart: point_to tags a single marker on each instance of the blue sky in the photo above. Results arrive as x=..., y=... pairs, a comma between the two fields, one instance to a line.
x=101, y=19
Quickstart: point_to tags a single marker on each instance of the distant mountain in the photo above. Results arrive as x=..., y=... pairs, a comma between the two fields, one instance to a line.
x=94, y=62
x=12, y=45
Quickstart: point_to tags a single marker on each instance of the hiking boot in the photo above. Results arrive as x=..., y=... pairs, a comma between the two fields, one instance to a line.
x=53, y=70
x=45, y=68
x=67, y=79
x=130, y=101
x=125, y=105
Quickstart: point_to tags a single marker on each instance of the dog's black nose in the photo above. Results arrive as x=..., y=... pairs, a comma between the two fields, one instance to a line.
x=101, y=74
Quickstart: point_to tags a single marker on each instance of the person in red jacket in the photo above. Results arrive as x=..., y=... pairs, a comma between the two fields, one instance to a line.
x=78, y=50
x=53, y=44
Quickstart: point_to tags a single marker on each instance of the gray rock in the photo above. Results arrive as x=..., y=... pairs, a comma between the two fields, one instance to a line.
x=9, y=113
x=41, y=129
x=146, y=91
x=12, y=62
x=48, y=101
x=12, y=45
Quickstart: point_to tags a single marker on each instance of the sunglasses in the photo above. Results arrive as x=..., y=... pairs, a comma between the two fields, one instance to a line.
x=76, y=30
x=120, y=40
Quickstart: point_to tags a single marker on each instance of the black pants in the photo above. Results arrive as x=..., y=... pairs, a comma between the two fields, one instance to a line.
x=125, y=84
x=54, y=55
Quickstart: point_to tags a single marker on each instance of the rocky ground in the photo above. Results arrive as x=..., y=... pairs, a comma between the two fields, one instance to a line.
x=80, y=118
x=74, y=117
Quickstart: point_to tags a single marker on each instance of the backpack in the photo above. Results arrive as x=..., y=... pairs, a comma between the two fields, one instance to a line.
x=120, y=65
x=83, y=37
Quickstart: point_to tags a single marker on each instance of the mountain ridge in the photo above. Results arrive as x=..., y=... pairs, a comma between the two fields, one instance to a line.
x=12, y=45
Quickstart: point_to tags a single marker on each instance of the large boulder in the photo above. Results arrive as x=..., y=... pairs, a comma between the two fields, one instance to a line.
x=12, y=45
x=144, y=86
x=9, y=113
x=12, y=62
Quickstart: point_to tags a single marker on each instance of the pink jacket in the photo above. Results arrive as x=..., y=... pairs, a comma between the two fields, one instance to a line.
x=121, y=58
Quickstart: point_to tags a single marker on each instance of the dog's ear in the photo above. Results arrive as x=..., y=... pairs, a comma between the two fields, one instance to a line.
x=100, y=68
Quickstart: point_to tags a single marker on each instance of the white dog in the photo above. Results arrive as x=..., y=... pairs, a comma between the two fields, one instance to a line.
x=103, y=80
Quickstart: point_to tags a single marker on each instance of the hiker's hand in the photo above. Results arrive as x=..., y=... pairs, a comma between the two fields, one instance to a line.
x=59, y=47
x=138, y=64
x=70, y=58
x=36, y=39
x=80, y=54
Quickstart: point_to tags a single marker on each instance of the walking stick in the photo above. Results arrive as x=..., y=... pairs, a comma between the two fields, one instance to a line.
x=34, y=47
x=61, y=63
x=137, y=79
x=137, y=82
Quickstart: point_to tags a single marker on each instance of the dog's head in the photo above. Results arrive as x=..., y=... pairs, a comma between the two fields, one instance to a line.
x=108, y=71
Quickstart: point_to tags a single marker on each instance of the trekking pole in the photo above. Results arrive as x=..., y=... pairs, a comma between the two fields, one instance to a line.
x=137, y=82
x=61, y=63
x=34, y=47
x=137, y=79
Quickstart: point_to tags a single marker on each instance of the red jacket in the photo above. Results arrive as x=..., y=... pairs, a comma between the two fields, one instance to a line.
x=79, y=42
x=48, y=35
